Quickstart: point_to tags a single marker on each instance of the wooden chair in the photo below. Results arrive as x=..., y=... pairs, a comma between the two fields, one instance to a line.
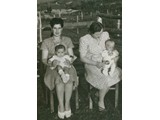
x=115, y=87
x=51, y=96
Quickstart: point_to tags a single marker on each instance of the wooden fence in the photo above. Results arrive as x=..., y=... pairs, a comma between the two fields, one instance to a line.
x=80, y=24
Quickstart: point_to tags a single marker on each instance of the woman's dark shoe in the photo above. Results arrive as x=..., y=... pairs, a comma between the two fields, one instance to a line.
x=101, y=109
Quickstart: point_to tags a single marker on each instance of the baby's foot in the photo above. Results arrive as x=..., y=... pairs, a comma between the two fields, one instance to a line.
x=63, y=76
x=66, y=78
x=60, y=72
x=105, y=72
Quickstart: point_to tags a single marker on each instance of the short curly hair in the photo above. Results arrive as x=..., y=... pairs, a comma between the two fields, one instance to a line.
x=56, y=21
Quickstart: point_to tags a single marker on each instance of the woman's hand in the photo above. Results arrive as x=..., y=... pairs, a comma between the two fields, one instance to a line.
x=49, y=62
x=75, y=84
x=55, y=63
x=73, y=58
x=100, y=65
x=106, y=62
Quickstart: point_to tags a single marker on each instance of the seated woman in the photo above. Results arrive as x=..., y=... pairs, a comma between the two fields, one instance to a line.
x=52, y=78
x=91, y=47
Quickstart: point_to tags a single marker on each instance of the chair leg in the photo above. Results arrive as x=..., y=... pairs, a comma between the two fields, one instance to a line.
x=116, y=94
x=51, y=102
x=90, y=103
x=77, y=98
x=46, y=94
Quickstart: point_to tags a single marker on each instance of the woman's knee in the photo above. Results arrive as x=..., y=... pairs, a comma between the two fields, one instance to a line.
x=59, y=86
x=106, y=86
x=69, y=84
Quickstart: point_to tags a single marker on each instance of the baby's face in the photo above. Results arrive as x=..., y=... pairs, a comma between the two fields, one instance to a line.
x=110, y=47
x=60, y=52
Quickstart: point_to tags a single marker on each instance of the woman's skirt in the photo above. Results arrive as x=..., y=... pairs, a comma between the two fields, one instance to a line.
x=52, y=77
x=98, y=80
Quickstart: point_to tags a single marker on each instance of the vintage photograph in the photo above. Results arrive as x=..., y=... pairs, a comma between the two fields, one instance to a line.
x=79, y=59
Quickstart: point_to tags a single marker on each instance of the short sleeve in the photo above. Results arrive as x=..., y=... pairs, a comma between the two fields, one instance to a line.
x=69, y=43
x=83, y=47
x=44, y=45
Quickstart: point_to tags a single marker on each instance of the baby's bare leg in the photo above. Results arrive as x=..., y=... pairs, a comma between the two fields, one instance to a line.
x=66, y=70
x=60, y=70
x=113, y=66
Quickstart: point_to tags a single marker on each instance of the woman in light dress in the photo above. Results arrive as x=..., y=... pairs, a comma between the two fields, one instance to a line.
x=91, y=47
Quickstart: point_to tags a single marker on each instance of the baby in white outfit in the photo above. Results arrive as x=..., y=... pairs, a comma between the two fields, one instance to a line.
x=61, y=57
x=108, y=57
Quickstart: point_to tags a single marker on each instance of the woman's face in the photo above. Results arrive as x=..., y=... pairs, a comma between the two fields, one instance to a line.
x=97, y=35
x=57, y=30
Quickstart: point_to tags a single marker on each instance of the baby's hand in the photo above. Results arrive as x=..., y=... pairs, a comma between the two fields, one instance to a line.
x=106, y=62
x=55, y=62
x=100, y=65
x=75, y=84
x=73, y=58
x=67, y=62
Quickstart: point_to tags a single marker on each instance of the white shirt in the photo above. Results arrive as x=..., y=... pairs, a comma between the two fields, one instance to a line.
x=61, y=60
x=110, y=58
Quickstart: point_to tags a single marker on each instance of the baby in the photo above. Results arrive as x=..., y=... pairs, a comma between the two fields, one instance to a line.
x=61, y=57
x=108, y=57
